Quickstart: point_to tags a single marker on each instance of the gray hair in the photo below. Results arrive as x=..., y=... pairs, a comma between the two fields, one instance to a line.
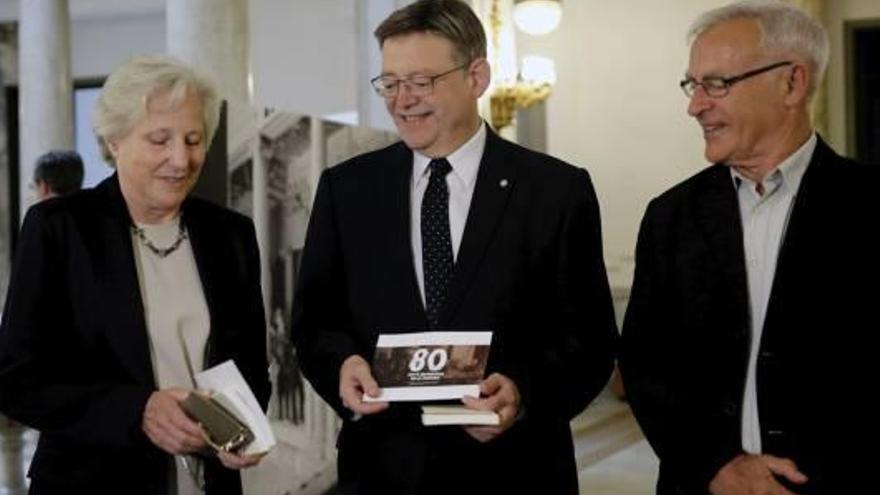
x=785, y=29
x=127, y=92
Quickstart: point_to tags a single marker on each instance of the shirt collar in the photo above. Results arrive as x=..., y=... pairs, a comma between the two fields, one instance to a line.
x=790, y=171
x=465, y=161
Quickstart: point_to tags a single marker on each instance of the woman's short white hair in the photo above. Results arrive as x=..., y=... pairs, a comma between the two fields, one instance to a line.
x=126, y=93
x=785, y=30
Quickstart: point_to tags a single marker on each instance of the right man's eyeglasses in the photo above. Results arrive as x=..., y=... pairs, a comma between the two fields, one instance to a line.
x=719, y=87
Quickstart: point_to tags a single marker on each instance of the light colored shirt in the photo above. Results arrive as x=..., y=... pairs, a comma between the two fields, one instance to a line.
x=465, y=162
x=177, y=321
x=764, y=221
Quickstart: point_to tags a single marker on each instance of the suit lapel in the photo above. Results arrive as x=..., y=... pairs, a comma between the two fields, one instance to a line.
x=496, y=178
x=789, y=265
x=718, y=217
x=127, y=331
x=393, y=195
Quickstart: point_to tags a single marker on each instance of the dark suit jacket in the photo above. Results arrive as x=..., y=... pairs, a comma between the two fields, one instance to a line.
x=529, y=268
x=74, y=351
x=686, y=333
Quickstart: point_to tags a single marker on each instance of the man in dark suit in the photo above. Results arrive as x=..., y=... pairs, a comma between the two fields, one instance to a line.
x=740, y=328
x=515, y=248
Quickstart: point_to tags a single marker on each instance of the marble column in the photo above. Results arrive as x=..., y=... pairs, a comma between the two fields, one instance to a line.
x=8, y=75
x=45, y=86
x=213, y=36
x=12, y=466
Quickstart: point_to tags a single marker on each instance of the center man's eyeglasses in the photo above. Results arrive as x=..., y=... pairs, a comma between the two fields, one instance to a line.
x=418, y=85
x=718, y=87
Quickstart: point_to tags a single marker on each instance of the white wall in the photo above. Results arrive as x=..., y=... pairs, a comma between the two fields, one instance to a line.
x=838, y=13
x=617, y=109
x=99, y=44
x=303, y=55
x=371, y=108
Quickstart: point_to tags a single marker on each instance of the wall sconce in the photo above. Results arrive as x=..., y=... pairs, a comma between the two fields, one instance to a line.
x=532, y=86
x=537, y=17
x=533, y=82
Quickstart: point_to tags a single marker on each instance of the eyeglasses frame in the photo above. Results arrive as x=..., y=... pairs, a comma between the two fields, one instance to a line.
x=408, y=80
x=728, y=81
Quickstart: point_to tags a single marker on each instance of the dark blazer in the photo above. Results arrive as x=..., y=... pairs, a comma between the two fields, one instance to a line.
x=529, y=268
x=687, y=338
x=74, y=352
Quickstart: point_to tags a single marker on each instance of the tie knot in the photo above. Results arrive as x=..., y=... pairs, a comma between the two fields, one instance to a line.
x=440, y=166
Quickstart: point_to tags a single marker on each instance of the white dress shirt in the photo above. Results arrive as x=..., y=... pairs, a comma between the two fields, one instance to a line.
x=764, y=221
x=465, y=162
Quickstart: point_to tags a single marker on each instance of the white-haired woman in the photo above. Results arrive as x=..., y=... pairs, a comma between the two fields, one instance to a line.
x=120, y=293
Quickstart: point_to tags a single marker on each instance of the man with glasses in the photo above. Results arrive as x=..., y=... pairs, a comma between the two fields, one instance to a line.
x=745, y=335
x=454, y=229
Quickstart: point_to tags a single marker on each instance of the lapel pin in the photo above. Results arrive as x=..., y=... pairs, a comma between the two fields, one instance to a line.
x=503, y=183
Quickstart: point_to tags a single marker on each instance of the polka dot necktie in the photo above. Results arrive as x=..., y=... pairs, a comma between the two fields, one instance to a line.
x=436, y=240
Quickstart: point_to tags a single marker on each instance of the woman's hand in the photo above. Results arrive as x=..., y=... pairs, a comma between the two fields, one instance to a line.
x=168, y=427
x=236, y=461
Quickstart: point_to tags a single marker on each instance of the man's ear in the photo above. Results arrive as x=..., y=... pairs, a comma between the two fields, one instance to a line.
x=798, y=84
x=43, y=190
x=480, y=75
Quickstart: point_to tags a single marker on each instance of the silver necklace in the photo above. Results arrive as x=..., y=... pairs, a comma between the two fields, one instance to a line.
x=161, y=252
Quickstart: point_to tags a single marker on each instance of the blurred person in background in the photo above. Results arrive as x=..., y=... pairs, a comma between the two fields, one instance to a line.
x=57, y=173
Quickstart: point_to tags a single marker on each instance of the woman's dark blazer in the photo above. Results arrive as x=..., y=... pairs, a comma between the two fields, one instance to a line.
x=74, y=351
